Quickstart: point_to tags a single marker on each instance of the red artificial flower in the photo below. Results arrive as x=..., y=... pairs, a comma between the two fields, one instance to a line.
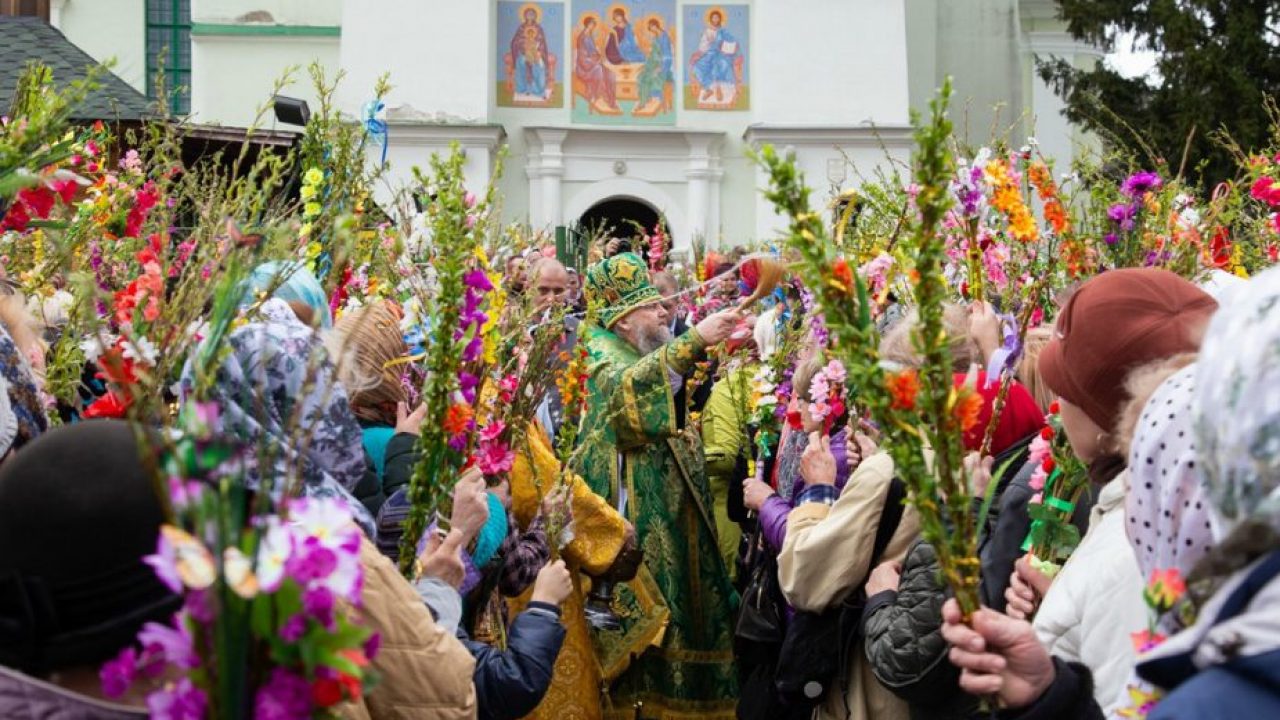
x=109, y=405
x=457, y=418
x=39, y=201
x=1046, y=433
x=16, y=219
x=115, y=367
x=144, y=199
x=1220, y=247
x=1054, y=408
x=1048, y=465
x=795, y=420
x=843, y=274
x=968, y=409
x=66, y=190
x=326, y=692
x=150, y=253
x=1145, y=640
x=1267, y=190
x=904, y=387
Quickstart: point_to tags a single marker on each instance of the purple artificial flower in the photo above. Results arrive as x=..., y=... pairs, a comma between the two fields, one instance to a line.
x=165, y=563
x=311, y=561
x=285, y=696
x=372, y=646
x=478, y=280
x=473, y=350
x=119, y=673
x=467, y=381
x=293, y=629
x=317, y=602
x=1139, y=183
x=178, y=701
x=458, y=442
x=1112, y=238
x=1123, y=214
x=171, y=642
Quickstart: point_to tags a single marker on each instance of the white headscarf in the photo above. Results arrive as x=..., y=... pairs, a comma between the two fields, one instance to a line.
x=1237, y=406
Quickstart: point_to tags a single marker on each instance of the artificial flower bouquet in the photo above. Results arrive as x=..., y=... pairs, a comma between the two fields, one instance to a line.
x=1060, y=480
x=269, y=623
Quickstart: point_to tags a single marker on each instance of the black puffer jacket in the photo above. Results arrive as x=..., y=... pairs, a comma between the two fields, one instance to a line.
x=904, y=644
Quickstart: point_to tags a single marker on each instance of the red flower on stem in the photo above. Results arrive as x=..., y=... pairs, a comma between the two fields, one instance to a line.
x=904, y=387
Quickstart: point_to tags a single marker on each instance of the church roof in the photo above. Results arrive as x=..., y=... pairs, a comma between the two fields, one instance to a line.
x=23, y=39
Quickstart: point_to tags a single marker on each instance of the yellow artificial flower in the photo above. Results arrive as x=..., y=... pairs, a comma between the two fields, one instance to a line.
x=313, y=176
x=311, y=209
x=305, y=230
x=307, y=192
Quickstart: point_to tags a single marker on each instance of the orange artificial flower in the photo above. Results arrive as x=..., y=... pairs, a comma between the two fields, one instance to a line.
x=904, y=387
x=1164, y=589
x=968, y=409
x=842, y=275
x=457, y=418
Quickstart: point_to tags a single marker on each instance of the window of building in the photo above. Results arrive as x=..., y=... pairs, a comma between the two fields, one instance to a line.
x=169, y=42
x=25, y=8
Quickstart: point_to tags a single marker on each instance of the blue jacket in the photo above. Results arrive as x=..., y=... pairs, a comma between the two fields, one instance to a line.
x=510, y=684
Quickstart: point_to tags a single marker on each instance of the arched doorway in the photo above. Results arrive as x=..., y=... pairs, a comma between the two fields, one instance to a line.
x=619, y=217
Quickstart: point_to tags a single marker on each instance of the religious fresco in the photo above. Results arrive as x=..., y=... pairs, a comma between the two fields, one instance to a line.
x=530, y=54
x=624, y=63
x=715, y=56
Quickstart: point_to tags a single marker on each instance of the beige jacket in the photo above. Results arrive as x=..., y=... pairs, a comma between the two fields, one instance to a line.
x=425, y=671
x=826, y=554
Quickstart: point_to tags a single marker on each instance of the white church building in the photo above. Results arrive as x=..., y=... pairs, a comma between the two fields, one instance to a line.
x=619, y=109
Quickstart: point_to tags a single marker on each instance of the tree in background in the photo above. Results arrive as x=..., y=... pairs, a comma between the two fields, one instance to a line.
x=1216, y=63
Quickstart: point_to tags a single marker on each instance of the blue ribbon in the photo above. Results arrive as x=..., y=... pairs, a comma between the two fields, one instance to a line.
x=1007, y=354
x=377, y=129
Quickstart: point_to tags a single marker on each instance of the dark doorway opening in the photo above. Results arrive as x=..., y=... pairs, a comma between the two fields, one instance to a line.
x=619, y=216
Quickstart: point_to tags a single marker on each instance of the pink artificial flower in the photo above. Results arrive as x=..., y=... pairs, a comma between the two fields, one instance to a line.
x=118, y=674
x=178, y=701
x=492, y=431
x=293, y=629
x=1039, y=449
x=285, y=696
x=469, y=199
x=1036, y=499
x=318, y=603
x=495, y=459
x=328, y=520
x=274, y=550
x=1038, y=478
x=171, y=642
x=165, y=563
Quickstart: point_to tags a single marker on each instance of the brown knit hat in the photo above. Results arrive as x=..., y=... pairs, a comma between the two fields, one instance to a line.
x=1116, y=322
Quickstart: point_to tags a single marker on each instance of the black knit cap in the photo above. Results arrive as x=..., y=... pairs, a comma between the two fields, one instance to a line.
x=77, y=514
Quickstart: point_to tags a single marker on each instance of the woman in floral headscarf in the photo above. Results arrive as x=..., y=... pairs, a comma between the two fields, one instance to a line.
x=278, y=383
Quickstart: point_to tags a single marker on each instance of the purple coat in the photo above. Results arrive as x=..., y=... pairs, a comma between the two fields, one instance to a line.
x=774, y=512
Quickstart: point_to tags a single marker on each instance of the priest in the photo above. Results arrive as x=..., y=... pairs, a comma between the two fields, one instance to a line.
x=642, y=456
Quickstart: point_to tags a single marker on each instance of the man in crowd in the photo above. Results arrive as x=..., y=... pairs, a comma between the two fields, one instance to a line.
x=667, y=286
x=642, y=457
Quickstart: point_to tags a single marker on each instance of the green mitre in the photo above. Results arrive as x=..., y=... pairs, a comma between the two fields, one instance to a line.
x=620, y=284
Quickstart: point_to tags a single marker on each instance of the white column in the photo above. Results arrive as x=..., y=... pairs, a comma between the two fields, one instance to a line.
x=546, y=175
x=1057, y=137
x=702, y=179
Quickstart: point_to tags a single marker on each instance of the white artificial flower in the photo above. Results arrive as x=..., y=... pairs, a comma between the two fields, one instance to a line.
x=140, y=349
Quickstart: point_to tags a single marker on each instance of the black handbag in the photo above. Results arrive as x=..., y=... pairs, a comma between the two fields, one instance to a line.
x=761, y=616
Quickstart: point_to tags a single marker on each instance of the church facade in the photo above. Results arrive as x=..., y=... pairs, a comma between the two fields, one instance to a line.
x=628, y=109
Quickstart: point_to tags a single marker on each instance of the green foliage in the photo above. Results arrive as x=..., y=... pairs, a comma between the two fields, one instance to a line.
x=1217, y=62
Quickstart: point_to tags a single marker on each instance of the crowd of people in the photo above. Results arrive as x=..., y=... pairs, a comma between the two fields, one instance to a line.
x=763, y=580
x=927, y=458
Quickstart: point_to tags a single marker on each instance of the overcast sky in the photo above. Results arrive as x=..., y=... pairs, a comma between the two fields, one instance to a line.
x=1127, y=62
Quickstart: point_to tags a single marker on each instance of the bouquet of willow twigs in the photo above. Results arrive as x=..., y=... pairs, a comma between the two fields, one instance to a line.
x=922, y=414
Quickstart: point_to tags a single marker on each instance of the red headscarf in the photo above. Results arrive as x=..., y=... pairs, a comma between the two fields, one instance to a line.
x=1020, y=418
